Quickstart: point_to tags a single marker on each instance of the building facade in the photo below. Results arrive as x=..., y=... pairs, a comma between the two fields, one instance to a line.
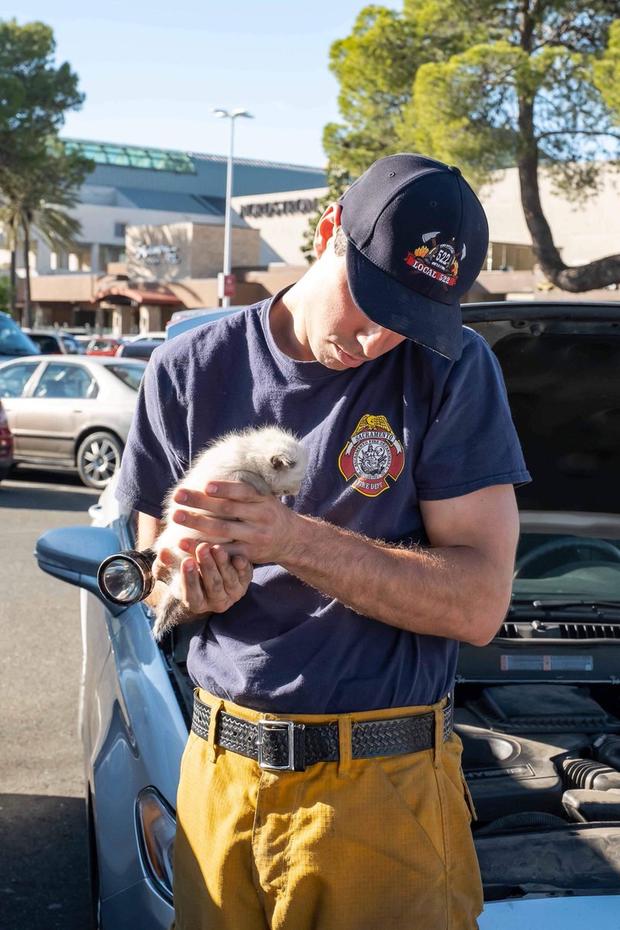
x=152, y=236
x=135, y=199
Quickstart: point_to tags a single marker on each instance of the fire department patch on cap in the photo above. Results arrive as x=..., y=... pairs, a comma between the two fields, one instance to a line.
x=372, y=454
x=436, y=259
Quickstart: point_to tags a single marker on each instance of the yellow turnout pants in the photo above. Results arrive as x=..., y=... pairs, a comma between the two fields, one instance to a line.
x=369, y=844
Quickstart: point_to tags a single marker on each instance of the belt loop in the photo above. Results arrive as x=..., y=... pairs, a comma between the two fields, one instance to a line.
x=344, y=745
x=215, y=713
x=438, y=740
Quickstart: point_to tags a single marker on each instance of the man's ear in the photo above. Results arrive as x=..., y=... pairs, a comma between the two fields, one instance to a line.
x=326, y=227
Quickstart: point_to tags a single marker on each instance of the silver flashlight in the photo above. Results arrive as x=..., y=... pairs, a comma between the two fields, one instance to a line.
x=125, y=577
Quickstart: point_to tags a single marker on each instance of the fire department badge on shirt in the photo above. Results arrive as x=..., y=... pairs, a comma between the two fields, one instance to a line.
x=372, y=455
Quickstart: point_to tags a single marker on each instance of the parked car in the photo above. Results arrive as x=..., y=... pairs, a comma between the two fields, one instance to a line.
x=538, y=709
x=138, y=348
x=83, y=340
x=103, y=345
x=6, y=444
x=53, y=342
x=157, y=335
x=71, y=411
x=14, y=343
x=182, y=320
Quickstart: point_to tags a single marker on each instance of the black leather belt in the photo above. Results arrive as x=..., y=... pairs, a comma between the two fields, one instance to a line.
x=287, y=746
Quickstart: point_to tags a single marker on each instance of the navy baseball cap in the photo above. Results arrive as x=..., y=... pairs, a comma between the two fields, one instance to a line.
x=417, y=238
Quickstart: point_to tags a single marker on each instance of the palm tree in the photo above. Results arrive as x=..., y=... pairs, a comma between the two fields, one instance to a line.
x=10, y=227
x=37, y=195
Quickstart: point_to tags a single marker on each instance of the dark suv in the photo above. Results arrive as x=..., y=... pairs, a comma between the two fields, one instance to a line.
x=13, y=342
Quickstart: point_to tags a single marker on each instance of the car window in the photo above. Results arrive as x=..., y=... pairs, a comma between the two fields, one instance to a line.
x=71, y=345
x=131, y=375
x=13, y=378
x=71, y=381
x=12, y=340
x=46, y=345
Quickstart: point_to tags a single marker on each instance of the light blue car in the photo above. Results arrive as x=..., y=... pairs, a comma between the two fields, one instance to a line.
x=538, y=709
x=14, y=343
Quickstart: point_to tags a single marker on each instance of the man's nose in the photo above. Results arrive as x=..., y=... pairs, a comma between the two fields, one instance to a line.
x=376, y=340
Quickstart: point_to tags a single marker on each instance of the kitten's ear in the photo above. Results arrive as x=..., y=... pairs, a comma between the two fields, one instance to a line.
x=280, y=461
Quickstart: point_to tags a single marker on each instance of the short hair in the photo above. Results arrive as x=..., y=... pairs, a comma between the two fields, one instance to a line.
x=340, y=242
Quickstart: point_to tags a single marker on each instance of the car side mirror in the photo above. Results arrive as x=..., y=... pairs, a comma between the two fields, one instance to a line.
x=74, y=553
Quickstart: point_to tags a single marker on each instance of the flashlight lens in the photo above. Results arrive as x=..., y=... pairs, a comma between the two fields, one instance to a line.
x=123, y=581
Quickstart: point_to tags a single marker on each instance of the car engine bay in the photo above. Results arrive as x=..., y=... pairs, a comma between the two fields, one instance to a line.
x=542, y=763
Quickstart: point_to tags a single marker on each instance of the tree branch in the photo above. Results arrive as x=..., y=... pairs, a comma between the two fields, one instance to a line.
x=577, y=132
x=599, y=273
x=596, y=274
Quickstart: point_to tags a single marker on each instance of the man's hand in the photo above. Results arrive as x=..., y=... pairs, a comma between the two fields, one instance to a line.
x=211, y=579
x=233, y=515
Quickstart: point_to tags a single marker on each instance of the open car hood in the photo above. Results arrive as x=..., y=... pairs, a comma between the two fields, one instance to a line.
x=561, y=364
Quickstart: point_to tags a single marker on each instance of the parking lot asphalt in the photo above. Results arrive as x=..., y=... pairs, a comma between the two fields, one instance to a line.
x=43, y=864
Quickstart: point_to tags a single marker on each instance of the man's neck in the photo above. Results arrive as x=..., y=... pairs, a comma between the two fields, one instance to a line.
x=287, y=324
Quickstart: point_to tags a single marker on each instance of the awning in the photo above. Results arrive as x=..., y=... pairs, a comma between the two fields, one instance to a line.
x=138, y=295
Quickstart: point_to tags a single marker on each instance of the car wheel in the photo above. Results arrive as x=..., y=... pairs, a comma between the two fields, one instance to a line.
x=98, y=459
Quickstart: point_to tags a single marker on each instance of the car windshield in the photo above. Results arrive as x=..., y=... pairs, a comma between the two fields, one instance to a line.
x=551, y=565
x=13, y=341
x=131, y=375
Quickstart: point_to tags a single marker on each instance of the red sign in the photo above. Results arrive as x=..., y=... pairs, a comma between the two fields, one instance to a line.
x=226, y=285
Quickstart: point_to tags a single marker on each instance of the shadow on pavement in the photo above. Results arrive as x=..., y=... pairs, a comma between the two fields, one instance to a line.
x=30, y=489
x=44, y=882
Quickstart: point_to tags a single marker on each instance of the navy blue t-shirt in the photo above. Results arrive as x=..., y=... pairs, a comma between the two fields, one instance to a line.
x=408, y=426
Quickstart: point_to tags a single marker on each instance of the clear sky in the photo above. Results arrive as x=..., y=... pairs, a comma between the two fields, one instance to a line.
x=152, y=71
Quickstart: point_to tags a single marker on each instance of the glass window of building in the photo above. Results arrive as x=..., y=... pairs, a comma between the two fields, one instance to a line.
x=111, y=253
x=80, y=257
x=508, y=256
x=133, y=156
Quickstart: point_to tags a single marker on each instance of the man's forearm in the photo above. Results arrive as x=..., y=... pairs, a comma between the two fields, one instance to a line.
x=459, y=589
x=451, y=591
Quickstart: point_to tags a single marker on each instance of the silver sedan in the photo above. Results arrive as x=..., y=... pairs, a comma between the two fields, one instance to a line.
x=71, y=412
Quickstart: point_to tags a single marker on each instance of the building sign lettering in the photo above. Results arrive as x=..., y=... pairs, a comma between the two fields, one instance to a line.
x=155, y=254
x=280, y=207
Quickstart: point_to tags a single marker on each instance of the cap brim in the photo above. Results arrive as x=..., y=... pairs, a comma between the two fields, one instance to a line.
x=390, y=304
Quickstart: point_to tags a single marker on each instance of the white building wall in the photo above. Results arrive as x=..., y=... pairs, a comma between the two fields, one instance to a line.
x=98, y=221
x=582, y=233
x=282, y=232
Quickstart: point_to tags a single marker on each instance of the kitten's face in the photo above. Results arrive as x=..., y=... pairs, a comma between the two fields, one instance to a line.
x=286, y=465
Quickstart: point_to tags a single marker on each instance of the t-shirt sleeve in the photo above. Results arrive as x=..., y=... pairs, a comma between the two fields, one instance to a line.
x=155, y=456
x=471, y=442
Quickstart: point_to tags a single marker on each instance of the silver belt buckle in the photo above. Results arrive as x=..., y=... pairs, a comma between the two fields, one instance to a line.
x=265, y=726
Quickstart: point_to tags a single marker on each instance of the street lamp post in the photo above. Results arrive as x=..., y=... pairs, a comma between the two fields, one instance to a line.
x=224, y=114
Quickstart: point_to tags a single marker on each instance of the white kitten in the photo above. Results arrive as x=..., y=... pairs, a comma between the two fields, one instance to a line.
x=269, y=458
